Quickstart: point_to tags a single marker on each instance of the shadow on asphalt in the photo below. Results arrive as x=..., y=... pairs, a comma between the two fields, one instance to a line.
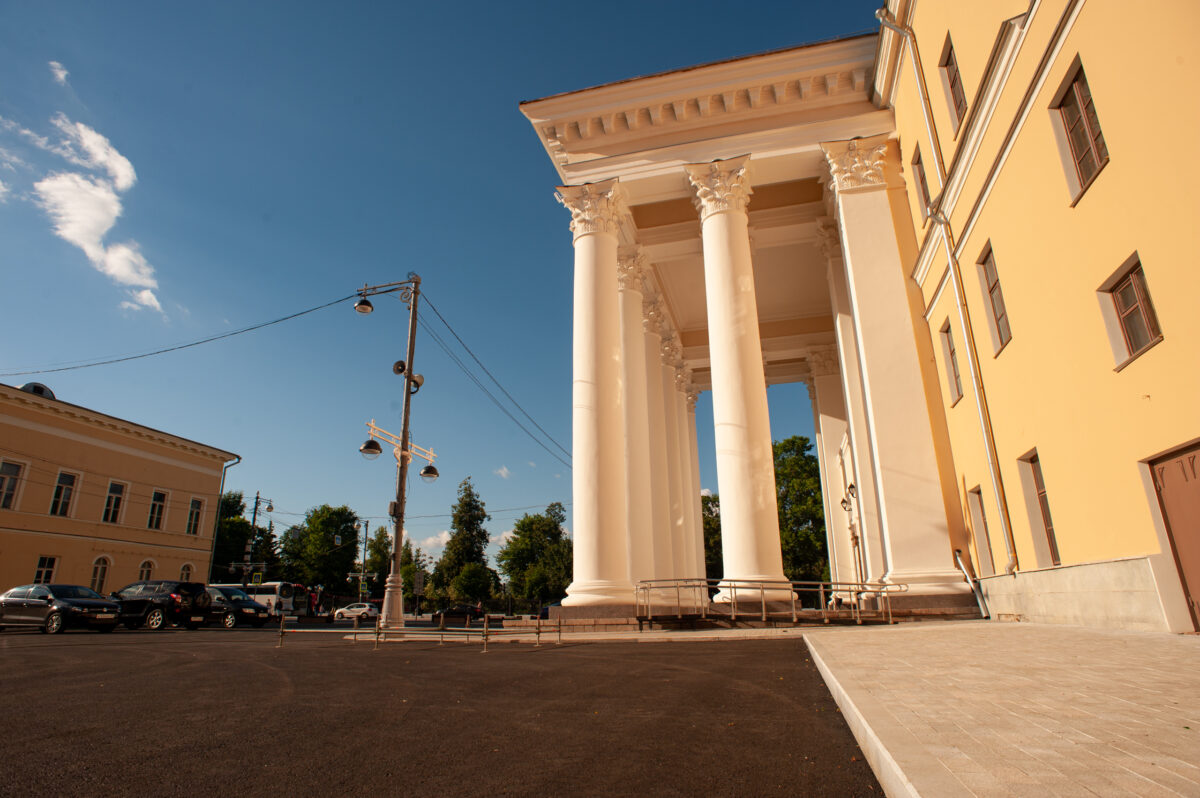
x=215, y=711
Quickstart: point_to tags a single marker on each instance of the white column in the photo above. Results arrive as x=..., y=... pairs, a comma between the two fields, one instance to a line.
x=913, y=512
x=631, y=273
x=660, y=490
x=745, y=460
x=601, y=562
x=829, y=412
x=671, y=356
x=694, y=466
x=687, y=565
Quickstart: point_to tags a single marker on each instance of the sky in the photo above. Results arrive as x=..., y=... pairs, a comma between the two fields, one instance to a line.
x=171, y=172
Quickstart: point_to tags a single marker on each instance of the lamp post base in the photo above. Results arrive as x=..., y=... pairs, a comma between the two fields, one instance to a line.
x=393, y=602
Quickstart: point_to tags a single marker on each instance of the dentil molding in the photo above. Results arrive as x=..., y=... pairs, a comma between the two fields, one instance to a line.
x=720, y=185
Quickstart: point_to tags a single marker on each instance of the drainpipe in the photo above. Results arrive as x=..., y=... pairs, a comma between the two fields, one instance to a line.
x=974, y=583
x=217, y=523
x=886, y=20
x=981, y=406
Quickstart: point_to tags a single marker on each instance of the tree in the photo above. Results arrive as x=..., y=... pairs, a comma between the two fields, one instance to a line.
x=801, y=512
x=265, y=550
x=475, y=582
x=233, y=531
x=537, y=557
x=312, y=553
x=379, y=559
x=710, y=515
x=468, y=541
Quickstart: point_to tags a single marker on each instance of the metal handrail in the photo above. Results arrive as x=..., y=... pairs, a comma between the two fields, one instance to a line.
x=645, y=590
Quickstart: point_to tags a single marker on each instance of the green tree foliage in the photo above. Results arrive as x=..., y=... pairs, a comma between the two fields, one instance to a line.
x=801, y=513
x=468, y=540
x=379, y=559
x=412, y=562
x=710, y=514
x=233, y=531
x=265, y=550
x=537, y=557
x=474, y=583
x=311, y=552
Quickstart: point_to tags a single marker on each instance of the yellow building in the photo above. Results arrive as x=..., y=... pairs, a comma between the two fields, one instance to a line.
x=90, y=499
x=951, y=233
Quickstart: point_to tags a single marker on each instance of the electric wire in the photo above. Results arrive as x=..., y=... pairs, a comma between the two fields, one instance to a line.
x=177, y=347
x=474, y=357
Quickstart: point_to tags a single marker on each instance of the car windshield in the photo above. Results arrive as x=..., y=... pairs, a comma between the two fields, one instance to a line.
x=74, y=592
x=234, y=593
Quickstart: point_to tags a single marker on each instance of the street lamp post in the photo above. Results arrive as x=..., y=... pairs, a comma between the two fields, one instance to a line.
x=246, y=564
x=409, y=291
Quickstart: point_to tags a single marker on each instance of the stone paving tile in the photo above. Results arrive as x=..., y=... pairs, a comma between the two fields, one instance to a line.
x=1026, y=708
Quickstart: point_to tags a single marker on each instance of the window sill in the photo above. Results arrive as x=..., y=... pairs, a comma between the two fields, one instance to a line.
x=1138, y=353
x=1003, y=346
x=957, y=399
x=1084, y=188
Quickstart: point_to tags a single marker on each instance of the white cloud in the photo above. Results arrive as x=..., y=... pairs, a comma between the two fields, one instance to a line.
x=3, y=190
x=503, y=537
x=10, y=160
x=502, y=472
x=438, y=541
x=60, y=73
x=532, y=464
x=97, y=152
x=705, y=492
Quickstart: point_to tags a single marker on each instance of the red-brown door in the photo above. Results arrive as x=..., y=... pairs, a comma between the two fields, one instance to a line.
x=1177, y=480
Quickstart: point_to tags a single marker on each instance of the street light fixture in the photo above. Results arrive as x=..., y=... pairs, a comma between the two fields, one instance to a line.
x=409, y=291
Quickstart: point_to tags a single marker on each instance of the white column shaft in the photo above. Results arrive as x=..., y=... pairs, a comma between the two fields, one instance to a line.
x=660, y=484
x=674, y=481
x=637, y=424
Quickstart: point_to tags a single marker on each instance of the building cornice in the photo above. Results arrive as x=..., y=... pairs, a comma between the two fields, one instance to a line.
x=96, y=420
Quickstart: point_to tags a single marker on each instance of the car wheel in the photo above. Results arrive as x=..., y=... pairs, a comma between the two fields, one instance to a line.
x=53, y=624
x=341, y=616
x=155, y=620
x=229, y=621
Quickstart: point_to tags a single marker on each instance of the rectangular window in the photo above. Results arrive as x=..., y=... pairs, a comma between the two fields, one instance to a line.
x=1039, y=485
x=45, y=570
x=158, y=502
x=918, y=169
x=194, y=512
x=112, y=505
x=63, y=491
x=1139, y=324
x=10, y=474
x=996, y=299
x=1083, y=129
x=954, y=87
x=983, y=543
x=952, y=376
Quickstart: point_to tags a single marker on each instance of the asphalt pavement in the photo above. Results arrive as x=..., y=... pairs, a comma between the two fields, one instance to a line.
x=217, y=712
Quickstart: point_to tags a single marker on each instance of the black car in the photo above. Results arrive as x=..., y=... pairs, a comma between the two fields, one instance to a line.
x=52, y=608
x=464, y=612
x=232, y=607
x=159, y=602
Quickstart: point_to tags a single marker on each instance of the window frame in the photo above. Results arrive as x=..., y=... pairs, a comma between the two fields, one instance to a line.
x=146, y=570
x=186, y=572
x=1077, y=183
x=162, y=510
x=44, y=573
x=979, y=526
x=950, y=355
x=12, y=486
x=195, y=517
x=990, y=289
x=56, y=502
x=100, y=566
x=1037, y=506
x=952, y=78
x=1114, y=319
x=113, y=511
x=924, y=198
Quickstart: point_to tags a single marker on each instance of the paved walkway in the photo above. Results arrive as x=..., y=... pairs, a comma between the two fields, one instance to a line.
x=999, y=709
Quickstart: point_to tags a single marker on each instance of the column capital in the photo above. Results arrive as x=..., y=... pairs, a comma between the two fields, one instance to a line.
x=594, y=207
x=653, y=318
x=633, y=269
x=857, y=163
x=823, y=360
x=672, y=350
x=831, y=237
x=720, y=185
x=693, y=396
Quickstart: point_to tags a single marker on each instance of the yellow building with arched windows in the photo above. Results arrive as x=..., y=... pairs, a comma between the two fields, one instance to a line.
x=953, y=232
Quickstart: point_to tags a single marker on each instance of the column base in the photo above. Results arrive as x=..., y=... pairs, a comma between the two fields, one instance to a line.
x=598, y=591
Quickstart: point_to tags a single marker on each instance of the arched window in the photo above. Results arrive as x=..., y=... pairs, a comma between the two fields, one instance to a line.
x=145, y=569
x=99, y=574
x=185, y=573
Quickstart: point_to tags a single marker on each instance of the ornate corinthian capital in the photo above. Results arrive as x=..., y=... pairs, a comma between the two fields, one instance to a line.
x=594, y=207
x=823, y=360
x=720, y=185
x=856, y=163
x=831, y=241
x=652, y=315
x=633, y=269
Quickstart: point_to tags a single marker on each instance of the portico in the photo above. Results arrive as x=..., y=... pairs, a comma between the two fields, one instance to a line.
x=734, y=228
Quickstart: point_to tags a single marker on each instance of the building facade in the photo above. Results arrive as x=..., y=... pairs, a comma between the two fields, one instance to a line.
x=949, y=232
x=94, y=500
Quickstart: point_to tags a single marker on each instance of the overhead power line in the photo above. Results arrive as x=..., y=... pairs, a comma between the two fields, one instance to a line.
x=176, y=348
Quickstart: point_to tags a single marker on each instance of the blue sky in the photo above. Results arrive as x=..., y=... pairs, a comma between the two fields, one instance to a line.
x=173, y=171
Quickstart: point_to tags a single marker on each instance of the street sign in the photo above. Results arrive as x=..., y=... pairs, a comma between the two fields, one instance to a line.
x=257, y=578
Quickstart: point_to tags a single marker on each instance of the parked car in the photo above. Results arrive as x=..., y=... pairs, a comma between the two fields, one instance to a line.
x=361, y=611
x=463, y=612
x=233, y=607
x=156, y=603
x=53, y=608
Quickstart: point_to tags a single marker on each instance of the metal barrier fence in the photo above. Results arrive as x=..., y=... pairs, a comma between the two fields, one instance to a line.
x=465, y=634
x=773, y=599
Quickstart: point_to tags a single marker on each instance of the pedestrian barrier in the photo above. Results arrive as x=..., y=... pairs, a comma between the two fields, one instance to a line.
x=467, y=634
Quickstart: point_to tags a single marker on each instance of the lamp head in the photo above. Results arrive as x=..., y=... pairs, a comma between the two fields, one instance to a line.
x=371, y=449
x=364, y=306
x=270, y=507
x=415, y=382
x=429, y=473
x=399, y=367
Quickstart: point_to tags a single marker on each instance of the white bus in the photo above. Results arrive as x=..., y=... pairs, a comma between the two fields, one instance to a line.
x=287, y=598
